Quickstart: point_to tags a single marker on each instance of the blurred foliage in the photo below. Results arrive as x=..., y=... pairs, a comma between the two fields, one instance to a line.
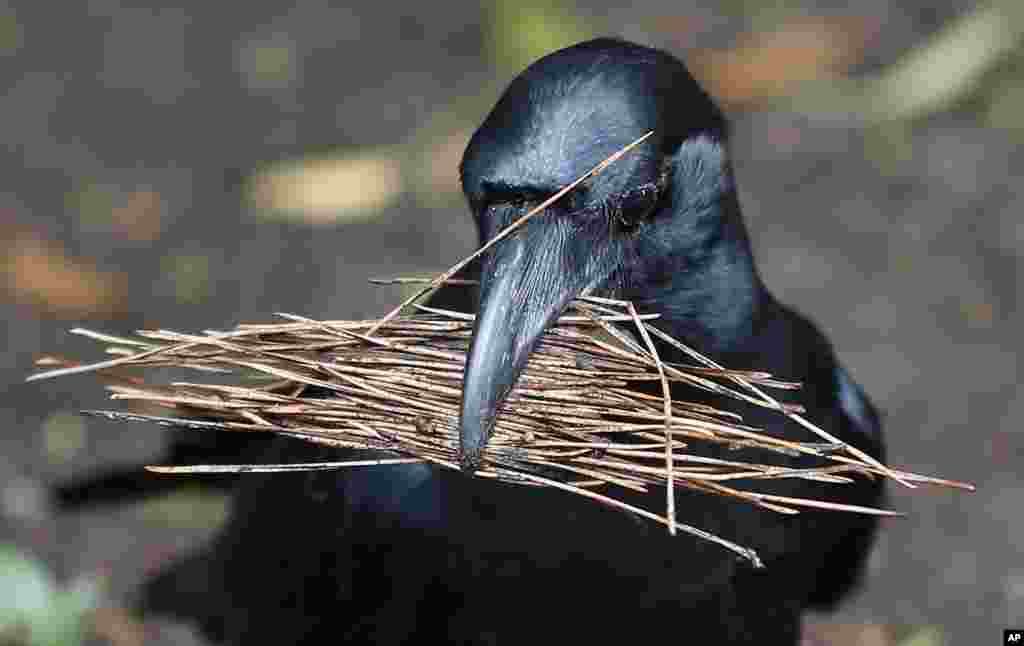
x=64, y=435
x=978, y=315
x=193, y=508
x=135, y=214
x=267, y=63
x=520, y=32
x=190, y=275
x=888, y=146
x=139, y=216
x=925, y=636
x=328, y=189
x=763, y=14
x=768, y=64
x=1006, y=108
x=117, y=627
x=92, y=203
x=10, y=33
x=24, y=498
x=434, y=171
x=838, y=634
x=34, y=609
x=38, y=272
x=949, y=67
x=973, y=66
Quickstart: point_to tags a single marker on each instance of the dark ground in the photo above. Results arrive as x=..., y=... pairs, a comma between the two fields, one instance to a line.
x=904, y=241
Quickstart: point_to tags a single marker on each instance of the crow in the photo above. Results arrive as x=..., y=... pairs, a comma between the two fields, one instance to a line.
x=409, y=554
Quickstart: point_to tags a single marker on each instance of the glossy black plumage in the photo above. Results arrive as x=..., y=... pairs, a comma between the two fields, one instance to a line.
x=407, y=555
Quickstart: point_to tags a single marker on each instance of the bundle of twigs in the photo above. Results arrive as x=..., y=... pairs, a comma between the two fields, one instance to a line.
x=575, y=421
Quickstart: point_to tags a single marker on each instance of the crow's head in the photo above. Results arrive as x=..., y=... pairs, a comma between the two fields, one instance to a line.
x=649, y=228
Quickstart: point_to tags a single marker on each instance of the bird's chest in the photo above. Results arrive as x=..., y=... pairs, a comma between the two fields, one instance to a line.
x=410, y=493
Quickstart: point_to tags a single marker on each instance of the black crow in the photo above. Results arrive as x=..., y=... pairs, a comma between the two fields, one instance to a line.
x=407, y=554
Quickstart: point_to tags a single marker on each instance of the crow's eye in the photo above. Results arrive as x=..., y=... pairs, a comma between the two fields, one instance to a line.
x=640, y=200
x=517, y=201
x=636, y=205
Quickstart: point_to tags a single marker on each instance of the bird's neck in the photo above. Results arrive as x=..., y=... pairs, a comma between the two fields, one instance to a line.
x=727, y=314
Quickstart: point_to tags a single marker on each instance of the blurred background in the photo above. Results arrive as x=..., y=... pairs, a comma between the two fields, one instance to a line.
x=193, y=167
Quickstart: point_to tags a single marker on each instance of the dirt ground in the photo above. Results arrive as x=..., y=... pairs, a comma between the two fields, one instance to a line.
x=131, y=136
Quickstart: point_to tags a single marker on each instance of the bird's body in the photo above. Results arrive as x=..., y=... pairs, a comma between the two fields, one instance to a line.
x=408, y=554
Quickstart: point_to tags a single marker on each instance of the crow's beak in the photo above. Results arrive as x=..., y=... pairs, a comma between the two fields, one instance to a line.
x=526, y=282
